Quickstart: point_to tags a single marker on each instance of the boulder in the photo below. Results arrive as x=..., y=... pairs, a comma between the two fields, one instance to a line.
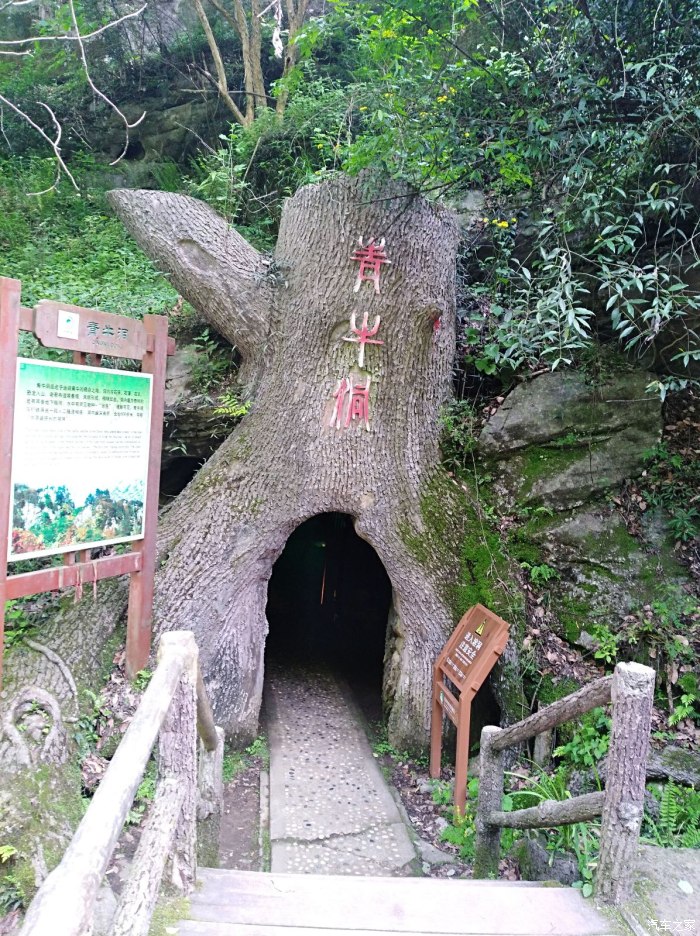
x=560, y=441
x=604, y=572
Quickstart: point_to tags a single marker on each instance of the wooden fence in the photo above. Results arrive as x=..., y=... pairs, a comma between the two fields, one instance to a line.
x=173, y=710
x=631, y=690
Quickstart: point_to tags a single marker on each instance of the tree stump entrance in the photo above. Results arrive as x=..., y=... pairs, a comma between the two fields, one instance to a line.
x=328, y=601
x=305, y=321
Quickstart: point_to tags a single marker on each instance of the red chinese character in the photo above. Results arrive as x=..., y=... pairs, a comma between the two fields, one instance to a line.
x=364, y=335
x=357, y=403
x=371, y=259
x=342, y=389
x=358, y=407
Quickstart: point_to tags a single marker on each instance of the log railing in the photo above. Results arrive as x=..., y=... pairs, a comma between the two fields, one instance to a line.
x=174, y=708
x=631, y=690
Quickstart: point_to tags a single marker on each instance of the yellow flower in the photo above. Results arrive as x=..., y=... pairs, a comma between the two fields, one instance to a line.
x=363, y=108
x=452, y=90
x=442, y=99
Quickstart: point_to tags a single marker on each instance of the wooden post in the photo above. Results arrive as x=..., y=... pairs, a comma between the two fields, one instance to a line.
x=64, y=904
x=632, y=697
x=9, y=330
x=462, y=752
x=140, y=894
x=542, y=752
x=177, y=756
x=488, y=837
x=210, y=802
x=140, y=613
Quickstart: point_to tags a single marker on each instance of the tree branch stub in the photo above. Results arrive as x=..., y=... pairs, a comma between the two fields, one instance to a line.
x=210, y=264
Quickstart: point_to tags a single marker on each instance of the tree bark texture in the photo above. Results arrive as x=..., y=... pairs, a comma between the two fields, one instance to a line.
x=633, y=700
x=286, y=462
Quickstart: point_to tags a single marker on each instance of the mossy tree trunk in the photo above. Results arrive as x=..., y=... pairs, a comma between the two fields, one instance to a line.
x=287, y=461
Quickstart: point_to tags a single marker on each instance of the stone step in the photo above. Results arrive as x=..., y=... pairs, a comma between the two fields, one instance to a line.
x=244, y=903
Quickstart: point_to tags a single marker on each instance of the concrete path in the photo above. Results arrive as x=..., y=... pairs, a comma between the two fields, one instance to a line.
x=331, y=811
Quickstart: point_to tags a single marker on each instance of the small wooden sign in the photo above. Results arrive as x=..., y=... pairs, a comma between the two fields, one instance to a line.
x=464, y=663
x=60, y=325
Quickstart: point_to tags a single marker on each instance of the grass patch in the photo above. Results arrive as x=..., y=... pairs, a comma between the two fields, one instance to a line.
x=236, y=761
x=169, y=911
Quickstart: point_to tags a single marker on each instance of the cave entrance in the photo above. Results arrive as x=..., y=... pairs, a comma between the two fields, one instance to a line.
x=328, y=602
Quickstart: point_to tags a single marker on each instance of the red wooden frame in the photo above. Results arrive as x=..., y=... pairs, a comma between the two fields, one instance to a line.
x=152, y=346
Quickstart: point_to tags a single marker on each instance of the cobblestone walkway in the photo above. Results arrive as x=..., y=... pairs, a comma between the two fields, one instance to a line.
x=331, y=811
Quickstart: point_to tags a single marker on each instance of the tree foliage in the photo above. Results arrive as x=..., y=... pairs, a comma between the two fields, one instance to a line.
x=577, y=119
x=580, y=118
x=66, y=27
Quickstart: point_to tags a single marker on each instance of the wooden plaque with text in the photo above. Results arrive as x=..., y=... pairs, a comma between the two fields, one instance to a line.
x=464, y=663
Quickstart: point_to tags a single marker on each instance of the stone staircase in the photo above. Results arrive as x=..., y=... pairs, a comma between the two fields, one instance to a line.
x=247, y=903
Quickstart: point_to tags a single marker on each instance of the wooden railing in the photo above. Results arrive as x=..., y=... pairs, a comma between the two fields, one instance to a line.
x=174, y=708
x=631, y=690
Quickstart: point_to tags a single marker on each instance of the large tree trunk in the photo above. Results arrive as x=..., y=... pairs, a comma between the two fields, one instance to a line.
x=286, y=462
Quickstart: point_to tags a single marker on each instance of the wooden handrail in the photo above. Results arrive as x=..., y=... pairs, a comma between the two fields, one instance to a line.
x=551, y=813
x=631, y=690
x=557, y=713
x=64, y=904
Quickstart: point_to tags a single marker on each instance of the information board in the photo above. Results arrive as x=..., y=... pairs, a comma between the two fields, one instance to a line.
x=464, y=663
x=80, y=457
x=80, y=448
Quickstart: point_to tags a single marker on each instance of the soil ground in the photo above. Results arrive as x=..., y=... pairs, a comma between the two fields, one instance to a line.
x=240, y=825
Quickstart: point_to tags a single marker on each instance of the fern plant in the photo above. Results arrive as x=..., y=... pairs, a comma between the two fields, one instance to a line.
x=678, y=823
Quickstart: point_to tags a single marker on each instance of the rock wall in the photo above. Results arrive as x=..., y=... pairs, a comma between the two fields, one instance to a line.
x=559, y=448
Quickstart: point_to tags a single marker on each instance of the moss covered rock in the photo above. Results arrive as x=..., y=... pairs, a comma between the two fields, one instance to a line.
x=604, y=572
x=561, y=441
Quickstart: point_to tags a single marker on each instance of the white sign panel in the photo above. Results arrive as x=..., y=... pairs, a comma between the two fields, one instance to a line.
x=79, y=457
x=68, y=325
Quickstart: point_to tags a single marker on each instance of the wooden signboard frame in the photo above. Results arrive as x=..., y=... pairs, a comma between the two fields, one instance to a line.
x=464, y=663
x=91, y=334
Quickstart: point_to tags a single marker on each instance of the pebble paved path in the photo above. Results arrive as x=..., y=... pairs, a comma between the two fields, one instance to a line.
x=331, y=811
